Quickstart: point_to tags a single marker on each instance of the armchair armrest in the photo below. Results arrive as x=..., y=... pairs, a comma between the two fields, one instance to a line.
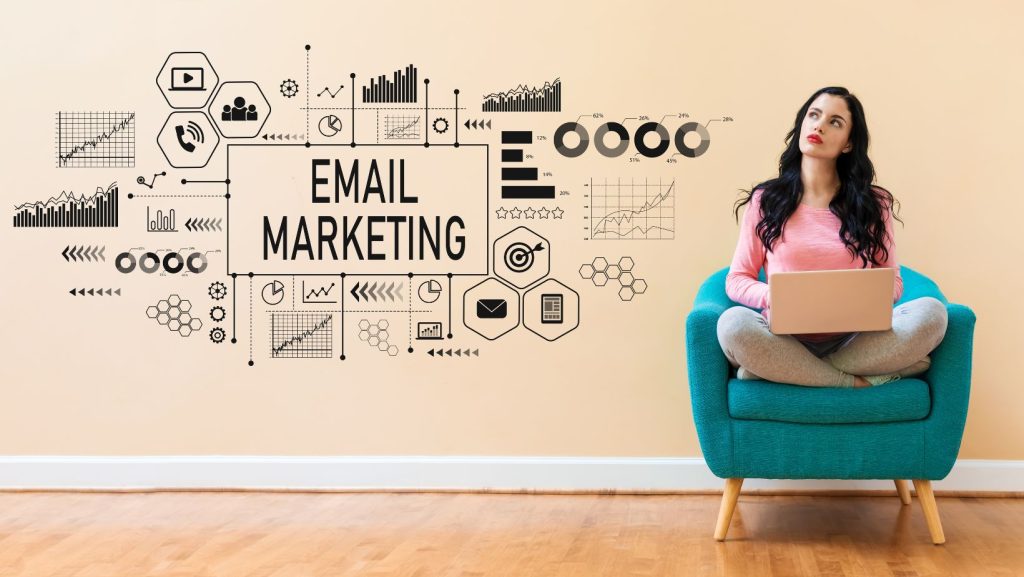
x=708, y=372
x=949, y=378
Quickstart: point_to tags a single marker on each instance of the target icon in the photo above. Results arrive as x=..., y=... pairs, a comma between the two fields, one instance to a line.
x=519, y=256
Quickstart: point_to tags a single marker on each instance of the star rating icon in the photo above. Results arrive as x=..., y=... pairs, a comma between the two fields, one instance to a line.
x=530, y=212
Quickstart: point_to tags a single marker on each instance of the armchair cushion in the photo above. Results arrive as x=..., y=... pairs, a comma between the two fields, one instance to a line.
x=903, y=400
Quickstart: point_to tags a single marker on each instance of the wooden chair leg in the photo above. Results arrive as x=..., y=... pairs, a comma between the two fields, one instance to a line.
x=931, y=511
x=903, y=491
x=729, y=497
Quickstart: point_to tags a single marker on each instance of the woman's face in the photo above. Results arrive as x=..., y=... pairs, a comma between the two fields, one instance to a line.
x=825, y=130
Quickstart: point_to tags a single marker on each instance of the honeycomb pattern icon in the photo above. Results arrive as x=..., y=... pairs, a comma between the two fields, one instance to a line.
x=600, y=272
x=174, y=313
x=376, y=335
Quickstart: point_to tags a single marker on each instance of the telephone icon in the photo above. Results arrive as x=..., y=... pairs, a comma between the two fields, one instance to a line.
x=195, y=134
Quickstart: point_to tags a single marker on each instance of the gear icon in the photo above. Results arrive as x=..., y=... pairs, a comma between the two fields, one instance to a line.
x=440, y=125
x=218, y=291
x=218, y=313
x=289, y=88
x=217, y=335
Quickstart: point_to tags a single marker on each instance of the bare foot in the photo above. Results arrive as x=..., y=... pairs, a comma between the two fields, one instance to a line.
x=859, y=382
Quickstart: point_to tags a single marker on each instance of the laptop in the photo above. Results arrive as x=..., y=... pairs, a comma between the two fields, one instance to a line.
x=831, y=301
x=187, y=79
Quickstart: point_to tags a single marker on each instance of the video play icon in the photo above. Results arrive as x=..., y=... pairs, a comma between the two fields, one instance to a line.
x=187, y=79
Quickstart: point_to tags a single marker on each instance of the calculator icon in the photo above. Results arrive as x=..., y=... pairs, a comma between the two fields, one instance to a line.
x=551, y=308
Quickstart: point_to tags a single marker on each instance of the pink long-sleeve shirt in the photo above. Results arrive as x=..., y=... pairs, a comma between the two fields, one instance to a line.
x=810, y=241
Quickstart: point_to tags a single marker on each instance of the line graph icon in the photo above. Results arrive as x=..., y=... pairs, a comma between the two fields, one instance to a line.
x=402, y=127
x=522, y=98
x=95, y=139
x=68, y=210
x=318, y=293
x=632, y=210
x=332, y=93
x=301, y=335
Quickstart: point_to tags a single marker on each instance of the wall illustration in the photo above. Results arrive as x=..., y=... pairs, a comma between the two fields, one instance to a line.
x=327, y=211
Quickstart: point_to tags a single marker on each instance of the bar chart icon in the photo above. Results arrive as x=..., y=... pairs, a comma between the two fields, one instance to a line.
x=520, y=175
x=547, y=98
x=67, y=210
x=430, y=331
x=401, y=87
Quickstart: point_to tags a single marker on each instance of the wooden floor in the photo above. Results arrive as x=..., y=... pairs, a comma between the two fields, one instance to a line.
x=428, y=534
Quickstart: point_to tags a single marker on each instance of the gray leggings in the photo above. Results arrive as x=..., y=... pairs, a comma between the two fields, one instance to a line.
x=918, y=326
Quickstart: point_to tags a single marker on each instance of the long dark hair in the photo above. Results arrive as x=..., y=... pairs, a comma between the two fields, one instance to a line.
x=859, y=205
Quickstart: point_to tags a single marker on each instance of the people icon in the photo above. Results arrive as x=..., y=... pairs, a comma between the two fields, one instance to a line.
x=239, y=111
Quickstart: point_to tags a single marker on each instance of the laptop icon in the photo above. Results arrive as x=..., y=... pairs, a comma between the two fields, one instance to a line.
x=187, y=79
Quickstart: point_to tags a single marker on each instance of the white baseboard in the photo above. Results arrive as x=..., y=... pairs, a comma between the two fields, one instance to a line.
x=439, y=473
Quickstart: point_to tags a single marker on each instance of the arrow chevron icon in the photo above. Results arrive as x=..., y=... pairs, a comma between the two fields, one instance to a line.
x=84, y=253
x=438, y=353
x=282, y=136
x=97, y=292
x=203, y=224
x=386, y=292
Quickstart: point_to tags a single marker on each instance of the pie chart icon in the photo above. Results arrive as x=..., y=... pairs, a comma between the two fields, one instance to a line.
x=429, y=291
x=273, y=292
x=330, y=125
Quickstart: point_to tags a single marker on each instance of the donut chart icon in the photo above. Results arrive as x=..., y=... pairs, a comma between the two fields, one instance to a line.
x=705, y=139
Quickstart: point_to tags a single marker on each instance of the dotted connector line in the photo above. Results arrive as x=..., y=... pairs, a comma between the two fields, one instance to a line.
x=179, y=195
x=382, y=108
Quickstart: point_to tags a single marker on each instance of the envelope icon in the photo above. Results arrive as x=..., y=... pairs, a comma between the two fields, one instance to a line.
x=491, y=308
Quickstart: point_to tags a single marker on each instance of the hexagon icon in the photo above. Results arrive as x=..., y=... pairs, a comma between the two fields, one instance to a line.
x=239, y=109
x=187, y=79
x=551, y=309
x=522, y=257
x=187, y=139
x=490, y=309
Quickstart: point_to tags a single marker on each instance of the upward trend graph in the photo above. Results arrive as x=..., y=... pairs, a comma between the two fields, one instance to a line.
x=301, y=335
x=331, y=93
x=401, y=127
x=522, y=98
x=68, y=210
x=632, y=210
x=95, y=139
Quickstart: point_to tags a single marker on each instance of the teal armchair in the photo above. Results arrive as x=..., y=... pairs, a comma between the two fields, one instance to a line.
x=907, y=429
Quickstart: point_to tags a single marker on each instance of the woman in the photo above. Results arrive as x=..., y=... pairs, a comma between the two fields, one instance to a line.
x=822, y=213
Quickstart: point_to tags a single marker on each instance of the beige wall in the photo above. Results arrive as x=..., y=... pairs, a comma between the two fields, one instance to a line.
x=941, y=84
